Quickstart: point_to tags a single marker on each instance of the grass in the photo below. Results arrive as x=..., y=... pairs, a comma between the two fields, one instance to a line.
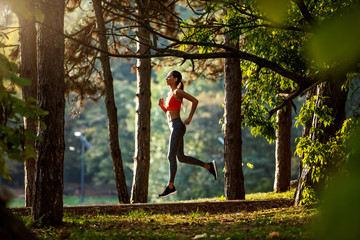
x=73, y=201
x=289, y=223
x=251, y=196
x=270, y=195
x=282, y=223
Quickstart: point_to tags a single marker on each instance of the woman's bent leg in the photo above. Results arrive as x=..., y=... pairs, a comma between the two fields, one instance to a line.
x=187, y=159
x=176, y=136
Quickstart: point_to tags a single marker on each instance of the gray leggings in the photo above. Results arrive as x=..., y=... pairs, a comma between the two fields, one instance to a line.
x=176, y=148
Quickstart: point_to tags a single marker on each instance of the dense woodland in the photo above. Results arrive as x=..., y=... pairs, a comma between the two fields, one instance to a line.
x=98, y=67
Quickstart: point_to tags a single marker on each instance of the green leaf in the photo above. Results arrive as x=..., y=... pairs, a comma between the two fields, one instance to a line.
x=3, y=170
x=249, y=165
x=338, y=39
x=274, y=9
x=4, y=66
x=18, y=80
x=13, y=67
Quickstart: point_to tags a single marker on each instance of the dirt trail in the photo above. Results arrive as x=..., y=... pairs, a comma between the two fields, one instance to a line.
x=173, y=208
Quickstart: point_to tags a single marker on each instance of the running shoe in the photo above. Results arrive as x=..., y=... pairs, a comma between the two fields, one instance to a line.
x=168, y=191
x=213, y=169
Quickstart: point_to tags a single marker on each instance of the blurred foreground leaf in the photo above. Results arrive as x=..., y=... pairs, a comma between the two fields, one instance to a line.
x=274, y=9
x=337, y=40
x=340, y=210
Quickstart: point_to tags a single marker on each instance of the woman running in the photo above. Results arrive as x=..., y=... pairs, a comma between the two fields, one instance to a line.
x=176, y=142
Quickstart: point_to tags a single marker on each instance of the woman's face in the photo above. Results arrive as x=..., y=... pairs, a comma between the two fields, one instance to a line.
x=170, y=80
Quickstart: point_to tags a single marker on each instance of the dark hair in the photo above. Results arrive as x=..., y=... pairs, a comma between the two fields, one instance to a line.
x=177, y=75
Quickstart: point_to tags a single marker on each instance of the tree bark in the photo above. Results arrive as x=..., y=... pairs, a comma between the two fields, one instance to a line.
x=48, y=203
x=28, y=70
x=336, y=100
x=234, y=178
x=305, y=132
x=139, y=190
x=283, y=150
x=111, y=109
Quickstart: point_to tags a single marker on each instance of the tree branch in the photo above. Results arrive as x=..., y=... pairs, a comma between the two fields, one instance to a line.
x=289, y=98
x=304, y=11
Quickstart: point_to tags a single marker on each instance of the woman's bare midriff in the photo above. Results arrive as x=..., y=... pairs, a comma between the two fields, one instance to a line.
x=172, y=115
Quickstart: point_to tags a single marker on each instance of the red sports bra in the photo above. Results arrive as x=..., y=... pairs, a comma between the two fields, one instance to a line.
x=172, y=103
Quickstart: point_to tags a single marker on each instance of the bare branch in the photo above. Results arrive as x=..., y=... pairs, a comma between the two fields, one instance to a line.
x=193, y=10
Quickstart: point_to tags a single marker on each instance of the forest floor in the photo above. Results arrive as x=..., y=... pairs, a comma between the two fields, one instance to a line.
x=259, y=217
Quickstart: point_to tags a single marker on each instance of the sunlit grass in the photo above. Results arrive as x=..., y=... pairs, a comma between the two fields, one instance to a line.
x=75, y=200
x=16, y=203
x=270, y=195
x=252, y=196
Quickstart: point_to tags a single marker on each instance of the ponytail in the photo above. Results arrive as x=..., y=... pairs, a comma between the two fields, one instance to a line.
x=179, y=83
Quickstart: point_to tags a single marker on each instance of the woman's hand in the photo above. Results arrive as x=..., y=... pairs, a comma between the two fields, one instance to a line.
x=161, y=104
x=187, y=121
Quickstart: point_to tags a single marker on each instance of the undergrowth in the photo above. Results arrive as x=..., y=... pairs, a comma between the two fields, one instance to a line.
x=281, y=223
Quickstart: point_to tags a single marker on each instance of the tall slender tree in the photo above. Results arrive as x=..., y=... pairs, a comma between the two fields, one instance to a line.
x=111, y=109
x=234, y=178
x=47, y=206
x=305, y=132
x=283, y=150
x=139, y=190
x=28, y=70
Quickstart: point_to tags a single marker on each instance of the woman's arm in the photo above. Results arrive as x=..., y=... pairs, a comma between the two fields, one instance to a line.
x=161, y=104
x=194, y=102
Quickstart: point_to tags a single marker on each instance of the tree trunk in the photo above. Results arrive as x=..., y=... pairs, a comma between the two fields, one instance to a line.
x=283, y=150
x=336, y=100
x=234, y=178
x=28, y=70
x=111, y=109
x=48, y=202
x=305, y=132
x=139, y=190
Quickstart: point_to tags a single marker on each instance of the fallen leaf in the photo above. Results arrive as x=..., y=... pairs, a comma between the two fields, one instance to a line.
x=273, y=235
x=199, y=236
